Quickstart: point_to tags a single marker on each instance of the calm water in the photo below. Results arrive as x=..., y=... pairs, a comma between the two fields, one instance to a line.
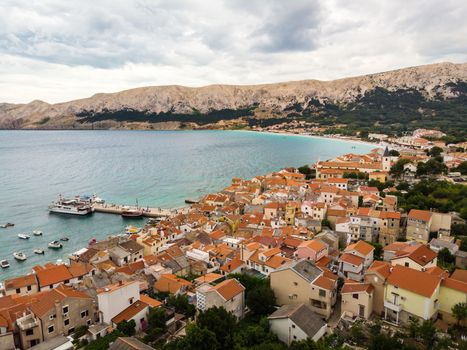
x=159, y=168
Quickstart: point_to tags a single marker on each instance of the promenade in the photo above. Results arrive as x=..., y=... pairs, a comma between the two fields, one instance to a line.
x=117, y=209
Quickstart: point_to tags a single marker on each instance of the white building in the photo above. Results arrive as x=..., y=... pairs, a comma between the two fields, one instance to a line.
x=115, y=298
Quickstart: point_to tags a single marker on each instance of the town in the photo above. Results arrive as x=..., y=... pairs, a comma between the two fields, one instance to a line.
x=360, y=251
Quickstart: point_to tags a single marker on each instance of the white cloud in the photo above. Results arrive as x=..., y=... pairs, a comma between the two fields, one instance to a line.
x=55, y=50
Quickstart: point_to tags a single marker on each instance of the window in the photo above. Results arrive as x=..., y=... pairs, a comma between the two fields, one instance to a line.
x=84, y=313
x=65, y=309
x=295, y=284
x=18, y=290
x=29, y=288
x=88, y=322
x=131, y=300
x=51, y=317
x=50, y=329
x=322, y=293
x=406, y=264
x=29, y=332
x=293, y=326
x=71, y=330
x=66, y=322
x=355, y=295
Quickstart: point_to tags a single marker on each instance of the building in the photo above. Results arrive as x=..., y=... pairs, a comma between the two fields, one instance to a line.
x=137, y=312
x=410, y=292
x=22, y=285
x=304, y=283
x=453, y=291
x=357, y=299
x=129, y=343
x=312, y=250
x=229, y=294
x=418, y=257
x=296, y=322
x=115, y=298
x=420, y=223
x=376, y=275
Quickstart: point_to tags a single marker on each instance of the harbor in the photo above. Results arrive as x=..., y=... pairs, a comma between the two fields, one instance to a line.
x=149, y=212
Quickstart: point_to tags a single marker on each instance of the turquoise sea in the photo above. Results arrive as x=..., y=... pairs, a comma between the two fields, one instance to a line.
x=158, y=168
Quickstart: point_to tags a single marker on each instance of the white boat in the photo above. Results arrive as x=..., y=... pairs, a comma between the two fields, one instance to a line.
x=71, y=206
x=64, y=239
x=23, y=236
x=55, y=245
x=37, y=233
x=4, y=264
x=39, y=251
x=20, y=256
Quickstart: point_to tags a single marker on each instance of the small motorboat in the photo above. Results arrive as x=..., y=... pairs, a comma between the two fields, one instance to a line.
x=55, y=245
x=130, y=229
x=64, y=239
x=4, y=264
x=8, y=224
x=23, y=236
x=20, y=256
x=39, y=251
x=37, y=233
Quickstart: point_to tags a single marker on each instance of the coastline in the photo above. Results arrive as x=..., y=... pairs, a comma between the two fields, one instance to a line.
x=375, y=145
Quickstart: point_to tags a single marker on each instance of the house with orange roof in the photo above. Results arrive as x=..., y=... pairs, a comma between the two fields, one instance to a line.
x=417, y=256
x=357, y=299
x=229, y=294
x=303, y=282
x=389, y=227
x=410, y=292
x=236, y=265
x=50, y=276
x=312, y=250
x=453, y=291
x=338, y=182
x=355, y=259
x=137, y=312
x=114, y=298
x=266, y=261
x=363, y=250
x=420, y=223
x=22, y=285
x=170, y=283
x=376, y=275
x=52, y=313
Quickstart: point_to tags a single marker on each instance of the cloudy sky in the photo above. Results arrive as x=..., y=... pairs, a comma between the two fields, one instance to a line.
x=57, y=50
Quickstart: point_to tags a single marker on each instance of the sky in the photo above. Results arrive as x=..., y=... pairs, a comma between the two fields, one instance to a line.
x=55, y=50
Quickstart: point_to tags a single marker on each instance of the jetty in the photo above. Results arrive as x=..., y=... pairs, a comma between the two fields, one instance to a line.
x=118, y=209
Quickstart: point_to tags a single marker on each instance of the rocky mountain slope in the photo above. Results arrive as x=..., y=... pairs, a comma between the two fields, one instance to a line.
x=413, y=90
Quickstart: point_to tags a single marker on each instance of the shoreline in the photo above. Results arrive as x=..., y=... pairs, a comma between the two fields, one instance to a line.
x=360, y=142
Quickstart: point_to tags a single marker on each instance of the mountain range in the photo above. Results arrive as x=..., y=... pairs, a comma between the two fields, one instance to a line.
x=431, y=95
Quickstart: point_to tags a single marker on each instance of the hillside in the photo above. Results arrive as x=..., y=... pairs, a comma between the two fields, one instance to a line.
x=432, y=95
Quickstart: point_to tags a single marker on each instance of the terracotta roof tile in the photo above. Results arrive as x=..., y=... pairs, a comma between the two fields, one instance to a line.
x=229, y=288
x=361, y=247
x=413, y=280
x=53, y=274
x=356, y=288
x=422, y=215
x=130, y=312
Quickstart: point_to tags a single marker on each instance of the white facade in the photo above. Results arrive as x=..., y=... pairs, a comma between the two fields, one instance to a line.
x=116, y=299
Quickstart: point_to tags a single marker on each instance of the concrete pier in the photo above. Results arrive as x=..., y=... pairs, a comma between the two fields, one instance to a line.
x=117, y=209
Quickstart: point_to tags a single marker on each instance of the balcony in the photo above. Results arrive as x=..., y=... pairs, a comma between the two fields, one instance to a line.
x=27, y=322
x=392, y=306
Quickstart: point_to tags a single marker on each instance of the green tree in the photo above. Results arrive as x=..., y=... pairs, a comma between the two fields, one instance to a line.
x=127, y=327
x=261, y=301
x=462, y=168
x=221, y=323
x=445, y=257
x=325, y=223
x=182, y=305
x=394, y=153
x=427, y=332
x=435, y=151
x=459, y=311
x=397, y=169
x=156, y=324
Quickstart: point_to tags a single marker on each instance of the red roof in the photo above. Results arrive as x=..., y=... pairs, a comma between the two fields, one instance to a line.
x=415, y=281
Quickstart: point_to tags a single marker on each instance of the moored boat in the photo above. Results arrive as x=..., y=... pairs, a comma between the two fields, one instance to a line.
x=64, y=239
x=20, y=256
x=130, y=229
x=37, y=233
x=39, y=251
x=71, y=206
x=132, y=213
x=55, y=245
x=8, y=224
x=4, y=264
x=23, y=236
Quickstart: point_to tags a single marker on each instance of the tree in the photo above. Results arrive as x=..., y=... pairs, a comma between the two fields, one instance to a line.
x=378, y=253
x=431, y=167
x=308, y=172
x=458, y=229
x=427, y=332
x=127, y=327
x=221, y=323
x=156, y=324
x=394, y=153
x=397, y=169
x=462, y=168
x=445, y=257
x=435, y=151
x=325, y=223
x=198, y=338
x=261, y=300
x=459, y=311
x=182, y=305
